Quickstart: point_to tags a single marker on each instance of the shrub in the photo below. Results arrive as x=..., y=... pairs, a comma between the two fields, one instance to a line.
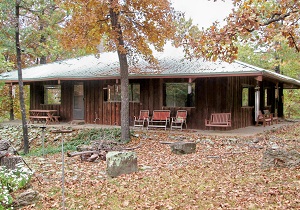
x=12, y=180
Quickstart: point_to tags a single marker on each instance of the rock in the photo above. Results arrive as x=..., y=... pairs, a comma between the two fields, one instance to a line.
x=256, y=140
x=118, y=163
x=144, y=168
x=10, y=162
x=205, y=141
x=4, y=145
x=3, y=153
x=183, y=147
x=82, y=148
x=26, y=198
x=232, y=140
x=280, y=158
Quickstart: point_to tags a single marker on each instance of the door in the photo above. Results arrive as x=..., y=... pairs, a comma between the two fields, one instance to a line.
x=78, y=111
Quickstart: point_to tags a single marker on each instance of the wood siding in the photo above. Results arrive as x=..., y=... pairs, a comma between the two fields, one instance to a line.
x=212, y=95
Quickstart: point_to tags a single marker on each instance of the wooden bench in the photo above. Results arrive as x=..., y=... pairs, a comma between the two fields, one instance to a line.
x=39, y=119
x=219, y=120
x=56, y=118
x=159, y=119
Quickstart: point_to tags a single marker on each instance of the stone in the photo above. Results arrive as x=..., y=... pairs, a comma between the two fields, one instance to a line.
x=82, y=148
x=118, y=163
x=3, y=154
x=180, y=148
x=10, y=162
x=4, y=145
x=256, y=140
x=26, y=198
x=280, y=158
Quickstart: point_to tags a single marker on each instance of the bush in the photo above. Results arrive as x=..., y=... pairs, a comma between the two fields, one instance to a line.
x=12, y=180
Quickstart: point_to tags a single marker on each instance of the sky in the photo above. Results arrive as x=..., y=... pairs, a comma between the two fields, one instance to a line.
x=203, y=12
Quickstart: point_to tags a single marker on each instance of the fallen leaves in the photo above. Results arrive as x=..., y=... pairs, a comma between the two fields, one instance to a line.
x=169, y=181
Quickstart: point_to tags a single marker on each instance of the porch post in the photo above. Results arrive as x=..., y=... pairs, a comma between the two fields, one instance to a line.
x=257, y=101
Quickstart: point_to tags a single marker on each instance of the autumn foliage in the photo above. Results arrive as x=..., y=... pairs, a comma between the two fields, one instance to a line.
x=143, y=24
x=250, y=20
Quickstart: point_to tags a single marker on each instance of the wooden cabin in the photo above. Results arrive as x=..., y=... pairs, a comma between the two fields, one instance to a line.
x=88, y=88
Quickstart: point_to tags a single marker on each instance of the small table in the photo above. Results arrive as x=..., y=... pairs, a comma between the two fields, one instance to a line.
x=42, y=114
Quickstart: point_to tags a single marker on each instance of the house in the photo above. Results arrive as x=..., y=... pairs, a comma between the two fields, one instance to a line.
x=88, y=88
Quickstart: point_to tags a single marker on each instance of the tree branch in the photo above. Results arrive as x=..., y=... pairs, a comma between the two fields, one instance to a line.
x=294, y=42
x=276, y=17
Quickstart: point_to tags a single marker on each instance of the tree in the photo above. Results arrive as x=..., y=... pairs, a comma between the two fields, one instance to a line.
x=265, y=57
x=255, y=20
x=128, y=27
x=20, y=80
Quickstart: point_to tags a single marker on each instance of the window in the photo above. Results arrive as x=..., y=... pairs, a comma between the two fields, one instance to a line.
x=52, y=94
x=179, y=94
x=112, y=93
x=245, y=96
x=134, y=92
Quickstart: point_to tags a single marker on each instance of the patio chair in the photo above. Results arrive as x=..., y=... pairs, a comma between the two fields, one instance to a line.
x=141, y=119
x=274, y=116
x=179, y=120
x=264, y=119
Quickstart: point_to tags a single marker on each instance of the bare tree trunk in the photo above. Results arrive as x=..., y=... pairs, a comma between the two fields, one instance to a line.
x=125, y=130
x=19, y=66
x=43, y=59
x=11, y=103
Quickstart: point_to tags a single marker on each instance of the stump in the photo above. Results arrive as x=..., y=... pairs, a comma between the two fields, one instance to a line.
x=10, y=162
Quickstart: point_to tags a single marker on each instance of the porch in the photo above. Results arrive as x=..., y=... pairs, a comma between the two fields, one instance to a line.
x=246, y=131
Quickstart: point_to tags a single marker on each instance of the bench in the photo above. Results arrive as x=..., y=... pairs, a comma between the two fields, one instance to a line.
x=39, y=118
x=56, y=118
x=159, y=119
x=219, y=120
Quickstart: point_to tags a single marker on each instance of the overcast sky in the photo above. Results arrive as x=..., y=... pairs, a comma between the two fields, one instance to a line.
x=204, y=12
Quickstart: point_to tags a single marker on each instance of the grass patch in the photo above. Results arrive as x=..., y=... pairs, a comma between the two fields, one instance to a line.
x=85, y=137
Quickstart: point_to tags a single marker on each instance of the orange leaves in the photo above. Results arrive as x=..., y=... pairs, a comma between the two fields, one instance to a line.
x=142, y=23
x=266, y=18
x=223, y=173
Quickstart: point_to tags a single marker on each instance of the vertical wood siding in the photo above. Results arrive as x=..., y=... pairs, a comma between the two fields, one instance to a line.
x=212, y=95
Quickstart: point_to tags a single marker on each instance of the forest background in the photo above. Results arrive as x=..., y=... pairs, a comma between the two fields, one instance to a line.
x=42, y=24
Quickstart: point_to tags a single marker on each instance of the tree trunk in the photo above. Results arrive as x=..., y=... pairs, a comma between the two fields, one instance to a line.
x=11, y=103
x=19, y=63
x=125, y=130
x=43, y=59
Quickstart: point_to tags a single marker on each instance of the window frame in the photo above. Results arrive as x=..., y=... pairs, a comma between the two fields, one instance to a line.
x=57, y=99
x=111, y=89
x=166, y=99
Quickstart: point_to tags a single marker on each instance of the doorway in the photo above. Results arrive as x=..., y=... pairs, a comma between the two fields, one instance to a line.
x=78, y=101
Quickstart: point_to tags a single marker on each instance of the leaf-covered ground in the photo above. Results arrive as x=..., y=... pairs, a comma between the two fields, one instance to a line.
x=224, y=173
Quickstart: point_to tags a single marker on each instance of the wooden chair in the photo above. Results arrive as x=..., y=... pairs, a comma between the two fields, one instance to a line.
x=179, y=120
x=274, y=116
x=264, y=119
x=141, y=119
